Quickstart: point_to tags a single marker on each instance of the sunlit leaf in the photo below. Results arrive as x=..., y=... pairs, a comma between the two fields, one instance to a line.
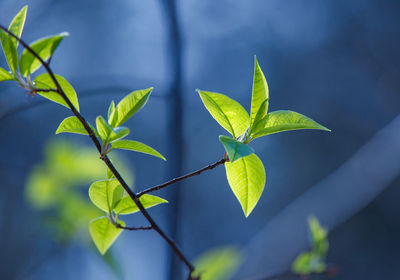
x=226, y=111
x=218, y=264
x=44, y=81
x=106, y=194
x=17, y=25
x=9, y=50
x=111, y=109
x=44, y=47
x=104, y=233
x=279, y=121
x=129, y=105
x=73, y=125
x=127, y=206
x=109, y=134
x=235, y=149
x=5, y=75
x=260, y=93
x=246, y=178
x=137, y=147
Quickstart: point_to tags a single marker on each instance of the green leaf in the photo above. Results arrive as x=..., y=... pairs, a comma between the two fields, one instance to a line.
x=44, y=81
x=111, y=109
x=73, y=125
x=235, y=149
x=106, y=194
x=226, y=111
x=260, y=93
x=307, y=263
x=109, y=134
x=5, y=75
x=320, y=244
x=104, y=233
x=246, y=178
x=17, y=25
x=129, y=105
x=127, y=206
x=279, y=121
x=44, y=47
x=10, y=51
x=136, y=147
x=218, y=264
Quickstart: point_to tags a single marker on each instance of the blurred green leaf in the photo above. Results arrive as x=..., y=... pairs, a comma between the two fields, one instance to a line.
x=319, y=237
x=109, y=134
x=246, y=178
x=260, y=93
x=308, y=263
x=235, y=149
x=44, y=47
x=104, y=233
x=44, y=81
x=17, y=25
x=127, y=206
x=111, y=109
x=218, y=264
x=279, y=121
x=226, y=111
x=136, y=147
x=73, y=125
x=9, y=50
x=128, y=106
x=5, y=75
x=106, y=194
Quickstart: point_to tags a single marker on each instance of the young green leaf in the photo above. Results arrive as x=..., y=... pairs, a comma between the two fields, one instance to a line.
x=319, y=236
x=5, y=75
x=104, y=233
x=308, y=263
x=44, y=47
x=17, y=25
x=127, y=206
x=10, y=51
x=111, y=109
x=279, y=121
x=44, y=81
x=235, y=149
x=129, y=105
x=106, y=194
x=260, y=92
x=136, y=147
x=218, y=264
x=246, y=178
x=73, y=125
x=109, y=134
x=226, y=111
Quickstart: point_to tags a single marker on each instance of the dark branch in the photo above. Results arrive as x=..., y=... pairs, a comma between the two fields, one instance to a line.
x=106, y=160
x=134, y=228
x=175, y=180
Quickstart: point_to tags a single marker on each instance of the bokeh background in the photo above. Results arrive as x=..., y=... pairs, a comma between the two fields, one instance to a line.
x=335, y=61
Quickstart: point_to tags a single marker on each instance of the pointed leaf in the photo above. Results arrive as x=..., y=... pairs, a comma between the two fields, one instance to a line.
x=73, y=125
x=246, y=178
x=127, y=206
x=17, y=25
x=106, y=194
x=10, y=51
x=129, y=105
x=109, y=134
x=111, y=109
x=104, y=233
x=137, y=147
x=44, y=47
x=235, y=149
x=260, y=92
x=319, y=236
x=44, y=81
x=279, y=121
x=5, y=75
x=226, y=111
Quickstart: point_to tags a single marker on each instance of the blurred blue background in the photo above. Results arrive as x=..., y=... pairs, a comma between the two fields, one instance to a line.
x=335, y=61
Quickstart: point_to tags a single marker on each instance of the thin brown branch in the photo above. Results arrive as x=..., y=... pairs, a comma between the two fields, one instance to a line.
x=106, y=160
x=134, y=228
x=175, y=180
